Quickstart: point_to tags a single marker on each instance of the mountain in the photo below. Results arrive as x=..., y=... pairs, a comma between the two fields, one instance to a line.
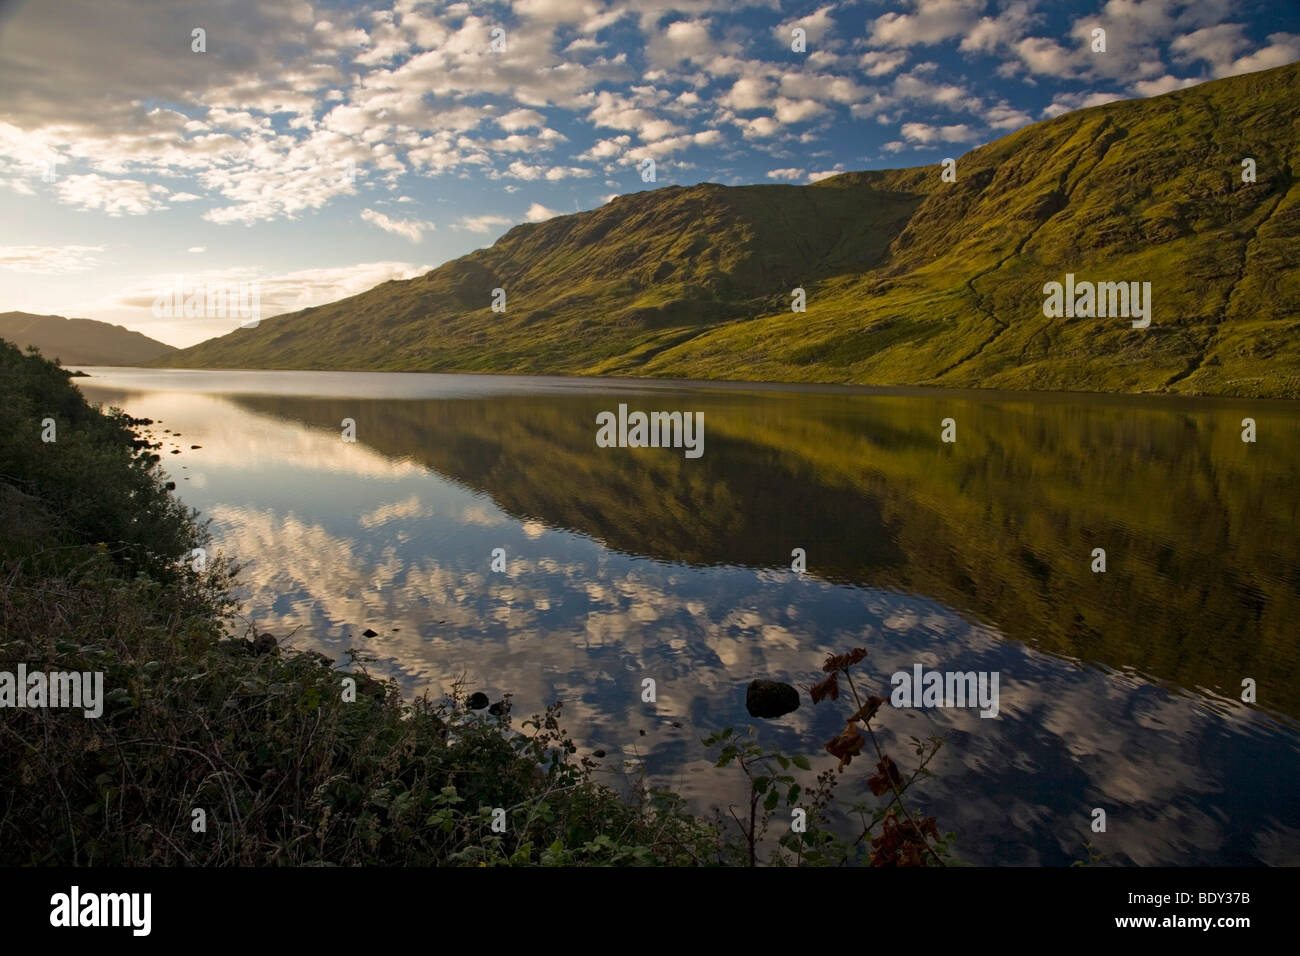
x=80, y=341
x=909, y=279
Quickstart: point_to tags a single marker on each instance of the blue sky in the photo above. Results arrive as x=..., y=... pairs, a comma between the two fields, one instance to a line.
x=319, y=148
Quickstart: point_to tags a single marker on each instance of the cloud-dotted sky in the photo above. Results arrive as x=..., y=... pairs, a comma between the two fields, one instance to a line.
x=322, y=147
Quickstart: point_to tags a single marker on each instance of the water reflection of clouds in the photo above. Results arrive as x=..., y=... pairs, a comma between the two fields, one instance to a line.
x=587, y=628
x=572, y=621
x=408, y=508
x=234, y=439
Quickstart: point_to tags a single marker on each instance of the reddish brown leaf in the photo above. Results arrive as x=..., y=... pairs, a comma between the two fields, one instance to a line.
x=901, y=843
x=868, y=710
x=847, y=745
x=840, y=662
x=829, y=689
x=886, y=777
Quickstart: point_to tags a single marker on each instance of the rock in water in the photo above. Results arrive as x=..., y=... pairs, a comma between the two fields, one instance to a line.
x=477, y=701
x=770, y=698
x=265, y=643
x=499, y=709
x=369, y=633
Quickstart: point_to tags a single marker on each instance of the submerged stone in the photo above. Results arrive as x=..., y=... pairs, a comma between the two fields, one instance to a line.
x=770, y=698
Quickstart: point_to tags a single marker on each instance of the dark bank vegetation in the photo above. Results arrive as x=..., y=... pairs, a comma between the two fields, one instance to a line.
x=98, y=573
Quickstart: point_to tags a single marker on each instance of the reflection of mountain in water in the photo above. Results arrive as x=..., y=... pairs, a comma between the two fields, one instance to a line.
x=1203, y=581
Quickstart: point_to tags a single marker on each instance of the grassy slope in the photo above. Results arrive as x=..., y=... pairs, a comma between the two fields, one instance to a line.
x=80, y=341
x=910, y=280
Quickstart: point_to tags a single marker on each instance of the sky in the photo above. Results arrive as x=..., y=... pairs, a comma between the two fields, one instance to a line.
x=317, y=149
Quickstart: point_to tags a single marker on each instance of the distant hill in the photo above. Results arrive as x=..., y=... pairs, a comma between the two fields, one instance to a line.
x=80, y=341
x=909, y=279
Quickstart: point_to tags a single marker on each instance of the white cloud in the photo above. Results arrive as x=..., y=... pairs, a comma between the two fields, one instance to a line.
x=116, y=197
x=482, y=223
x=316, y=93
x=521, y=143
x=658, y=129
x=1065, y=102
x=915, y=87
x=1005, y=116
x=412, y=229
x=606, y=148
x=537, y=213
x=277, y=292
x=1165, y=84
x=1047, y=57
x=993, y=33
x=815, y=25
x=798, y=111
x=332, y=81
x=521, y=119
x=680, y=40
x=790, y=172
x=49, y=259
x=521, y=170
x=821, y=86
x=748, y=93
x=932, y=22
x=665, y=147
x=926, y=134
x=1282, y=48
x=18, y=186
x=880, y=62
x=1222, y=46
x=556, y=11
x=760, y=127
x=556, y=173
x=615, y=111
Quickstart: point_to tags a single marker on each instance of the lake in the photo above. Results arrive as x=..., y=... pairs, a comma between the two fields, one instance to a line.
x=1120, y=690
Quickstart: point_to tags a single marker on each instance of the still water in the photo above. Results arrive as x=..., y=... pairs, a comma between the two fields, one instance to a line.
x=1118, y=690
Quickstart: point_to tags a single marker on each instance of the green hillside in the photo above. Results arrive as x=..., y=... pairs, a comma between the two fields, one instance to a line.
x=80, y=341
x=909, y=280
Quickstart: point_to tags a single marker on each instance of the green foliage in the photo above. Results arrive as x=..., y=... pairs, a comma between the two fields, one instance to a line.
x=97, y=482
x=909, y=280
